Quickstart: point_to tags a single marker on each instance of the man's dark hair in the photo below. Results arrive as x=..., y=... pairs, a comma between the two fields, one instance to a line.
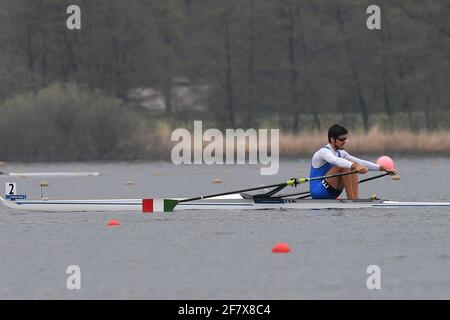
x=336, y=131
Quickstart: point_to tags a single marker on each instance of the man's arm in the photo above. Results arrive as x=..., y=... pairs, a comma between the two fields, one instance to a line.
x=369, y=165
x=328, y=156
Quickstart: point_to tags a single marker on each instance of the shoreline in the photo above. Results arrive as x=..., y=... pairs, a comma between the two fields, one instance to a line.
x=376, y=141
x=158, y=147
x=395, y=156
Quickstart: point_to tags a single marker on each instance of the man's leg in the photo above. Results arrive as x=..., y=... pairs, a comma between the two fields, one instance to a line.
x=349, y=182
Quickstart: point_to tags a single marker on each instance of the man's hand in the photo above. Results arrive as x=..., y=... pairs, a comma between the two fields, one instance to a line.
x=359, y=168
x=392, y=172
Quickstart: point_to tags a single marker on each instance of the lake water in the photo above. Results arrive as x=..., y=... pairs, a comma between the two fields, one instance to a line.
x=225, y=254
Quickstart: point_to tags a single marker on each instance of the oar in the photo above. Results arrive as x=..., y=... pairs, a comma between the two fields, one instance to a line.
x=168, y=205
x=308, y=194
x=374, y=177
x=291, y=182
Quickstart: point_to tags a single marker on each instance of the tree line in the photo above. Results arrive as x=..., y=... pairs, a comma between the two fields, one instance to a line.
x=292, y=64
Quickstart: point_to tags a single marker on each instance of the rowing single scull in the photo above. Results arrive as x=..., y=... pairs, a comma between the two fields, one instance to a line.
x=233, y=200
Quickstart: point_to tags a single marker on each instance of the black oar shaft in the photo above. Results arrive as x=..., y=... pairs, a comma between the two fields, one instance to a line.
x=374, y=177
x=331, y=176
x=284, y=184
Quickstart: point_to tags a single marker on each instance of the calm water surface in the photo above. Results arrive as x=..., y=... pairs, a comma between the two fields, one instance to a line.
x=225, y=254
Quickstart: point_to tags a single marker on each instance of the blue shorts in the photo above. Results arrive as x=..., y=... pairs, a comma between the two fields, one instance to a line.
x=322, y=190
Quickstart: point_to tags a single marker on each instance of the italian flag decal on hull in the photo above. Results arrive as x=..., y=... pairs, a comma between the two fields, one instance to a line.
x=158, y=205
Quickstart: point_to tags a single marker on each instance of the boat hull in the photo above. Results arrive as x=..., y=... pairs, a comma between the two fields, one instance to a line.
x=221, y=203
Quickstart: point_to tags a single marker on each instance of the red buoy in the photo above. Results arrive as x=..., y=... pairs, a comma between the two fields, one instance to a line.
x=113, y=223
x=281, y=248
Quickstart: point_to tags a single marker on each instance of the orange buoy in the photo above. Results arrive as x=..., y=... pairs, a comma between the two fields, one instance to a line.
x=281, y=248
x=113, y=223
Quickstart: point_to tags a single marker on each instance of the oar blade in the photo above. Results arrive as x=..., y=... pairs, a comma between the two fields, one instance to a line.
x=158, y=205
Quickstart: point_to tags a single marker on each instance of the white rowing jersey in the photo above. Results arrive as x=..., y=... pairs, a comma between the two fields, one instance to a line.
x=342, y=159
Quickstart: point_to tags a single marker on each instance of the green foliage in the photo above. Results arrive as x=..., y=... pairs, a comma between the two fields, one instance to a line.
x=293, y=64
x=66, y=122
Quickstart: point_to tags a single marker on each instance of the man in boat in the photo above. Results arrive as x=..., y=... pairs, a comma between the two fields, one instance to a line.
x=333, y=159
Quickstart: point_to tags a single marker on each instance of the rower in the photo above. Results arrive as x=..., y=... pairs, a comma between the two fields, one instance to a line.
x=333, y=159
